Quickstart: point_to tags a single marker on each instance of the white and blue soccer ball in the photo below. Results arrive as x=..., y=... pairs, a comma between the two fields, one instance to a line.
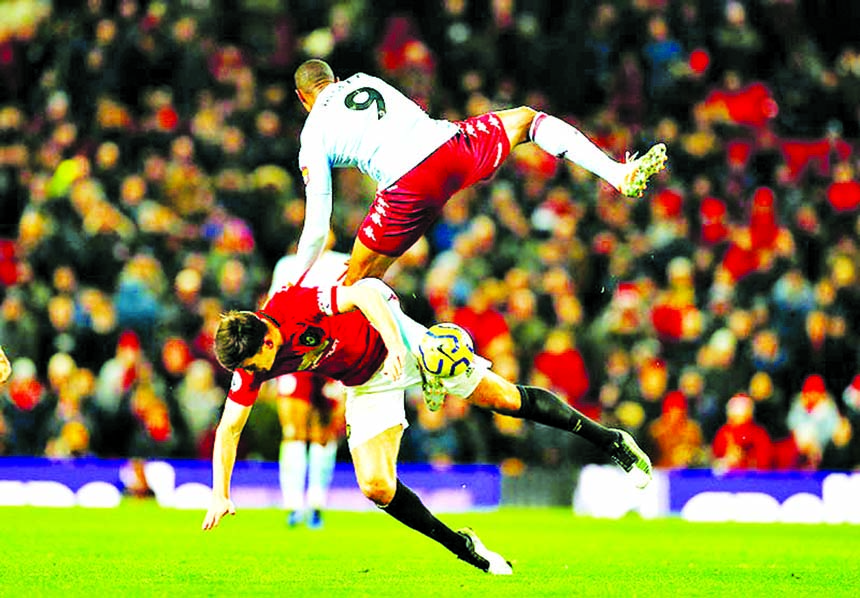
x=446, y=350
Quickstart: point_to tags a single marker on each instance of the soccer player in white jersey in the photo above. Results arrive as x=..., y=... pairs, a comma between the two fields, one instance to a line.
x=419, y=162
x=310, y=411
x=359, y=335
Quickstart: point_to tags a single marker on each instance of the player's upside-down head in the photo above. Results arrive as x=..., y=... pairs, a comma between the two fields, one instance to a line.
x=239, y=337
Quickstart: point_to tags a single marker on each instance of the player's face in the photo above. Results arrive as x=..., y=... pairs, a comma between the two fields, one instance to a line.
x=265, y=357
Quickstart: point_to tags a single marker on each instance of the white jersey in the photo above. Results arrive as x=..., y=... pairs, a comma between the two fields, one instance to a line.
x=361, y=122
x=325, y=272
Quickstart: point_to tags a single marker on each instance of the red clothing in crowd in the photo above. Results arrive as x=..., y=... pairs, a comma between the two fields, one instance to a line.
x=743, y=446
x=568, y=375
x=801, y=153
x=752, y=105
x=484, y=327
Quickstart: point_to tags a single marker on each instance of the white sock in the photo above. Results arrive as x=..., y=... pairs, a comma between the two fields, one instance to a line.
x=562, y=140
x=321, y=459
x=292, y=468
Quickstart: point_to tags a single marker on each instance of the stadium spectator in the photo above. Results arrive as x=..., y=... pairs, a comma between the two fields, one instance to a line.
x=561, y=367
x=199, y=400
x=842, y=451
x=812, y=418
x=27, y=408
x=677, y=439
x=741, y=443
x=73, y=423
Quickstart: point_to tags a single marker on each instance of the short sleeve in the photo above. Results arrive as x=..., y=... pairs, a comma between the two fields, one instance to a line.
x=243, y=388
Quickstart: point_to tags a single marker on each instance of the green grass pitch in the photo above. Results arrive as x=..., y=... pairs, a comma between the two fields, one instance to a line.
x=140, y=549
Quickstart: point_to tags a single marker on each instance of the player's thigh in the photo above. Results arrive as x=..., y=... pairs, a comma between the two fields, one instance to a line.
x=375, y=462
x=366, y=263
x=293, y=414
x=495, y=393
x=516, y=122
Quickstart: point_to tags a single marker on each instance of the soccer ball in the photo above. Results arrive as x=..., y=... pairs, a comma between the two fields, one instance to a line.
x=446, y=350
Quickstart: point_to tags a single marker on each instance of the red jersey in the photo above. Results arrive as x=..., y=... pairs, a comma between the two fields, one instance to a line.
x=342, y=346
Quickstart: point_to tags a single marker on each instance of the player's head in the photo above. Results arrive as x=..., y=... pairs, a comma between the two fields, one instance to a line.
x=244, y=340
x=311, y=77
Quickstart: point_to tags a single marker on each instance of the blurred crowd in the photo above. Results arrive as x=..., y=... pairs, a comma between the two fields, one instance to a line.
x=148, y=183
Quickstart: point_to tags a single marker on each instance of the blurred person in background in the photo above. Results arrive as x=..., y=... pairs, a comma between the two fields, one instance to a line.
x=677, y=439
x=432, y=439
x=842, y=451
x=813, y=418
x=27, y=409
x=373, y=126
x=310, y=410
x=770, y=411
x=561, y=367
x=114, y=383
x=199, y=401
x=19, y=322
x=741, y=443
x=72, y=424
x=152, y=434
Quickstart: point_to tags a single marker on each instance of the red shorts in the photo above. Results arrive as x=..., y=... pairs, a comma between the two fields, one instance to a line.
x=402, y=213
x=311, y=388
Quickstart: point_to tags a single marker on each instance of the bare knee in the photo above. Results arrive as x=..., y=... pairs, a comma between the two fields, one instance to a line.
x=379, y=489
x=517, y=122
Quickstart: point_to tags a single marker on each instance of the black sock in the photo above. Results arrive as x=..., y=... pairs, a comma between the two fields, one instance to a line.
x=408, y=509
x=542, y=406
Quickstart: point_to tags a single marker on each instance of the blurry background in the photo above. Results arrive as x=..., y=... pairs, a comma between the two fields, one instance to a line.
x=148, y=182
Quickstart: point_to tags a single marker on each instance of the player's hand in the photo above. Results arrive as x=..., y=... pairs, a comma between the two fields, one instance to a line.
x=394, y=362
x=220, y=506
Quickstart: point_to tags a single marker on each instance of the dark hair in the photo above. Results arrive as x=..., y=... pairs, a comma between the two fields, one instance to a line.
x=239, y=337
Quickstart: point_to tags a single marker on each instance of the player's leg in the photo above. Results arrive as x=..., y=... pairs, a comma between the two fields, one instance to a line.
x=563, y=140
x=544, y=407
x=375, y=464
x=366, y=263
x=322, y=456
x=293, y=455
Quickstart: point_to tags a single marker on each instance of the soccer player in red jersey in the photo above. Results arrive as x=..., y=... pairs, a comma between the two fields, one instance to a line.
x=310, y=411
x=359, y=335
x=418, y=162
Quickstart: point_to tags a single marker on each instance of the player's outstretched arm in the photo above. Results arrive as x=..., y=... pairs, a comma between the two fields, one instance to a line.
x=223, y=459
x=374, y=305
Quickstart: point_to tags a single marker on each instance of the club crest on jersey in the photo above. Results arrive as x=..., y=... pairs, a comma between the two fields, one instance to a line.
x=311, y=337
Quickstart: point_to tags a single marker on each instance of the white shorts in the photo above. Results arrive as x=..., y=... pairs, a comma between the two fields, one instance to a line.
x=379, y=404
